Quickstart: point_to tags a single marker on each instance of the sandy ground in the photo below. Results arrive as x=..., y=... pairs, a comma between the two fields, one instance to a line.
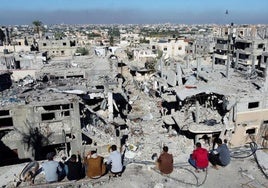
x=240, y=173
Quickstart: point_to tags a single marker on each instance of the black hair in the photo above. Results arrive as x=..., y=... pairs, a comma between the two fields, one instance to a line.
x=218, y=141
x=73, y=157
x=165, y=149
x=93, y=151
x=113, y=147
x=198, y=145
x=50, y=156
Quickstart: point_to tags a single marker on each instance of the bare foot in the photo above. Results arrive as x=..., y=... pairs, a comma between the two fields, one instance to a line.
x=215, y=167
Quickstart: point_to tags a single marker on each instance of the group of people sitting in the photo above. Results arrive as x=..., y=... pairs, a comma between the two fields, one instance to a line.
x=199, y=159
x=93, y=166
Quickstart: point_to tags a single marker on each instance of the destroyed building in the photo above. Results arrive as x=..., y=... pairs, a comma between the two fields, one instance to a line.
x=235, y=109
x=75, y=103
x=67, y=105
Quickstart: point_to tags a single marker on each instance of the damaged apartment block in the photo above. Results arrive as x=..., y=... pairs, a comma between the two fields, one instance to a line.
x=55, y=100
x=62, y=109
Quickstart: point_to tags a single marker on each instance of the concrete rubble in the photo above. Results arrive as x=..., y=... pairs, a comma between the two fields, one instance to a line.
x=80, y=103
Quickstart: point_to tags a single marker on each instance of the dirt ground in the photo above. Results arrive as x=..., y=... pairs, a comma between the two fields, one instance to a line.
x=140, y=174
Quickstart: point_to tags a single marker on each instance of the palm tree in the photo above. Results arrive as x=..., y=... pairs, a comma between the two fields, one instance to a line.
x=2, y=37
x=37, y=24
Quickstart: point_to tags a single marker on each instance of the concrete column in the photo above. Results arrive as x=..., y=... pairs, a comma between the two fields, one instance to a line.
x=161, y=67
x=228, y=66
x=110, y=106
x=197, y=111
x=262, y=61
x=266, y=76
x=231, y=114
x=187, y=61
x=120, y=83
x=213, y=62
x=161, y=74
x=235, y=112
x=253, y=63
x=179, y=74
x=197, y=138
x=198, y=67
x=236, y=61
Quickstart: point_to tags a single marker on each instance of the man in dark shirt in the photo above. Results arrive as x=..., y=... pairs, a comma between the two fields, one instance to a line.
x=165, y=161
x=222, y=156
x=75, y=169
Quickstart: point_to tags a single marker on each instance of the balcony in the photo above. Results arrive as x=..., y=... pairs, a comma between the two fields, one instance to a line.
x=219, y=56
x=221, y=46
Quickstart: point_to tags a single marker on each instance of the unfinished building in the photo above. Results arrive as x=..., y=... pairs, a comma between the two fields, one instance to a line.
x=67, y=107
x=63, y=47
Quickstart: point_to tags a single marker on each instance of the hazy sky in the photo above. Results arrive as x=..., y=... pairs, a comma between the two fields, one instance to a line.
x=133, y=11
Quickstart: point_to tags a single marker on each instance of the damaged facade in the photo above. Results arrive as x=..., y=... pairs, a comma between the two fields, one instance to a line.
x=72, y=103
x=57, y=108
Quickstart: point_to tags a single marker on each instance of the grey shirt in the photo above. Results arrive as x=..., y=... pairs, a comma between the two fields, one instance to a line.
x=224, y=154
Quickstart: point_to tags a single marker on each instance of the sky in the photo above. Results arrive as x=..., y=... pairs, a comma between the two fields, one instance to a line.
x=17, y=12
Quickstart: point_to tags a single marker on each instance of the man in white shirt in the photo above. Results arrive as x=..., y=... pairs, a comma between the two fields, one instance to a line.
x=114, y=161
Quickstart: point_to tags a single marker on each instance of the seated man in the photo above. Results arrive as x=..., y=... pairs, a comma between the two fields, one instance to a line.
x=51, y=168
x=199, y=157
x=165, y=162
x=114, y=162
x=95, y=167
x=222, y=155
x=74, y=168
x=28, y=173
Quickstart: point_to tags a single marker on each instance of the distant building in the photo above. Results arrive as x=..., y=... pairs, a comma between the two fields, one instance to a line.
x=64, y=47
x=171, y=47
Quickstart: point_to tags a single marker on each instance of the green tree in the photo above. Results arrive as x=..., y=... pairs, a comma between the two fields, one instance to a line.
x=144, y=41
x=2, y=37
x=59, y=35
x=82, y=51
x=111, y=40
x=37, y=26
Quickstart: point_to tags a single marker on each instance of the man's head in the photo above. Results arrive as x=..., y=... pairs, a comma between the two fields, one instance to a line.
x=93, y=152
x=50, y=156
x=165, y=149
x=218, y=141
x=73, y=158
x=198, y=145
x=113, y=148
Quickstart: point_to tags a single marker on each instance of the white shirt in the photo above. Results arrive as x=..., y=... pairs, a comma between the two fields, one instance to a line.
x=116, y=160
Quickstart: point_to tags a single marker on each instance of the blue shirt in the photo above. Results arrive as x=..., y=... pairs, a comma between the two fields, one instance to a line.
x=224, y=154
x=50, y=169
x=116, y=160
